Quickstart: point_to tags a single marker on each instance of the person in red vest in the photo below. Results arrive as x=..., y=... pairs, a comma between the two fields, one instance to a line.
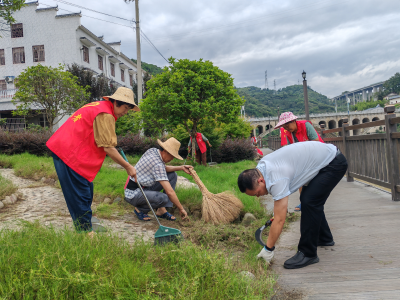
x=80, y=146
x=254, y=140
x=201, y=148
x=293, y=131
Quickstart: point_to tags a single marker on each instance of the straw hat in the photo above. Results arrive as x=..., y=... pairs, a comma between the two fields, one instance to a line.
x=172, y=146
x=125, y=95
x=284, y=118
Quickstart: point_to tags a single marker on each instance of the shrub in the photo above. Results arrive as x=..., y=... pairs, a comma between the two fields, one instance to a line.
x=135, y=144
x=31, y=141
x=233, y=150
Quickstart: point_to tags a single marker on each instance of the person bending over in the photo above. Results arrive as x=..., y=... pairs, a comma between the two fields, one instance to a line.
x=280, y=174
x=154, y=176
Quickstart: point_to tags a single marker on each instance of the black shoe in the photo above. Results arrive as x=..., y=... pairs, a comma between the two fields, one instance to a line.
x=300, y=261
x=326, y=244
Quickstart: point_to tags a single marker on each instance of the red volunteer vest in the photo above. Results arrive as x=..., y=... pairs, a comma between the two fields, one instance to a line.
x=301, y=133
x=200, y=142
x=74, y=141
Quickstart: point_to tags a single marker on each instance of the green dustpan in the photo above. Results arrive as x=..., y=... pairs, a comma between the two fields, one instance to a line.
x=164, y=234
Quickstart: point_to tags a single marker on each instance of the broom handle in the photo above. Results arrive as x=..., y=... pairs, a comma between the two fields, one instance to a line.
x=197, y=180
x=144, y=195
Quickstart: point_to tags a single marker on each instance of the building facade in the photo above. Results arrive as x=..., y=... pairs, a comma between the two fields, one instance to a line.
x=42, y=36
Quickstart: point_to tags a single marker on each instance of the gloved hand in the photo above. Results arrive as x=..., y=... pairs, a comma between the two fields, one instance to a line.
x=266, y=254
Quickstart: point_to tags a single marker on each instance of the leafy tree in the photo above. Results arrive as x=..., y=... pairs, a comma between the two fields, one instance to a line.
x=98, y=86
x=149, y=68
x=392, y=85
x=188, y=92
x=52, y=90
x=7, y=7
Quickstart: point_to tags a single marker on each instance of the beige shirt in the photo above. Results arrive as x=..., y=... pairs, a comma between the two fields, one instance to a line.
x=104, y=130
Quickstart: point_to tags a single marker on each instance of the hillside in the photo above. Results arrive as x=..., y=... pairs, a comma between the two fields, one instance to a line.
x=263, y=102
x=150, y=68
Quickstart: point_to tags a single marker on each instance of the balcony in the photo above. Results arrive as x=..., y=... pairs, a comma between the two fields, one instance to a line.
x=7, y=94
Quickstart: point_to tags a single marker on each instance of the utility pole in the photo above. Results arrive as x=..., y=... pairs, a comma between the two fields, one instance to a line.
x=266, y=80
x=274, y=86
x=139, y=59
x=305, y=95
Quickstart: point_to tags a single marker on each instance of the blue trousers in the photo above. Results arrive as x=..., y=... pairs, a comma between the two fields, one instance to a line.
x=78, y=193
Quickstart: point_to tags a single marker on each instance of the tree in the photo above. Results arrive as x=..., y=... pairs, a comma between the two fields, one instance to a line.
x=98, y=86
x=52, y=90
x=190, y=91
x=392, y=85
x=7, y=7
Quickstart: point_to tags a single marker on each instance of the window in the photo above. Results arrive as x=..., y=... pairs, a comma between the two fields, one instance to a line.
x=38, y=53
x=122, y=75
x=86, y=54
x=131, y=79
x=100, y=59
x=112, y=67
x=18, y=55
x=2, y=58
x=3, y=85
x=17, y=30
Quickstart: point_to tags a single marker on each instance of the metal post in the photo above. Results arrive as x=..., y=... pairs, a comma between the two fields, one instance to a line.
x=139, y=58
x=345, y=134
x=306, y=99
x=391, y=153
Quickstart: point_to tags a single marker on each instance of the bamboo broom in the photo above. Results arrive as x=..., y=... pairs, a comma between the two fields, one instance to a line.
x=222, y=208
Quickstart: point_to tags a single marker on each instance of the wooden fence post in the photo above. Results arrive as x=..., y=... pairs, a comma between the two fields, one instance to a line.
x=322, y=134
x=391, y=153
x=346, y=148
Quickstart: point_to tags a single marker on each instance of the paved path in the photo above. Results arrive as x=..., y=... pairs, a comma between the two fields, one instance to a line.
x=365, y=261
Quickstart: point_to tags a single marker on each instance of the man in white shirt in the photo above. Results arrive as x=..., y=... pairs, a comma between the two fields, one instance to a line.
x=316, y=166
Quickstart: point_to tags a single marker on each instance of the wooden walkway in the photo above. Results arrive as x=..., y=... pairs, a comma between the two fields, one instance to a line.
x=365, y=261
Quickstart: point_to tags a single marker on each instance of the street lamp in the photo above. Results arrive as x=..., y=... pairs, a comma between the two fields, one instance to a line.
x=305, y=95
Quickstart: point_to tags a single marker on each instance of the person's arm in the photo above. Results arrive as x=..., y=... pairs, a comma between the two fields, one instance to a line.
x=115, y=156
x=206, y=140
x=280, y=210
x=184, y=168
x=173, y=197
x=311, y=133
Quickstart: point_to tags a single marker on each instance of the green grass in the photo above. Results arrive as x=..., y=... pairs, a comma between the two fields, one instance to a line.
x=110, y=181
x=7, y=188
x=41, y=263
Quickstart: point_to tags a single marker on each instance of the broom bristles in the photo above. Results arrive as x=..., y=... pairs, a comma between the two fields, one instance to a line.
x=222, y=208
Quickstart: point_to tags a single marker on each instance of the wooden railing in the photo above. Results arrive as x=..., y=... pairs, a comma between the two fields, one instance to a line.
x=373, y=158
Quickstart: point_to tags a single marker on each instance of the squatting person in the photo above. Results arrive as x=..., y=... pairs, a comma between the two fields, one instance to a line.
x=80, y=146
x=154, y=176
x=318, y=168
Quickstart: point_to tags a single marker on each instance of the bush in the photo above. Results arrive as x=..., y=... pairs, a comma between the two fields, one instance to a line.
x=135, y=144
x=233, y=150
x=31, y=141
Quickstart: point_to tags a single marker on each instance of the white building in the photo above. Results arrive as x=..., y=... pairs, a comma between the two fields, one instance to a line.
x=394, y=99
x=43, y=36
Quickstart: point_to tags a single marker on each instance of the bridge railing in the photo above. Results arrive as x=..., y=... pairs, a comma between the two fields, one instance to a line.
x=373, y=158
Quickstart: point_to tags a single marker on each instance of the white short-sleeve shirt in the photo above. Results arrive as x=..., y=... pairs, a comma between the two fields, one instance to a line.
x=292, y=166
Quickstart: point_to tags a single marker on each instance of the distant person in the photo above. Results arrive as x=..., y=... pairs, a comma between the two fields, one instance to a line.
x=201, y=148
x=280, y=174
x=254, y=140
x=80, y=146
x=293, y=131
x=260, y=154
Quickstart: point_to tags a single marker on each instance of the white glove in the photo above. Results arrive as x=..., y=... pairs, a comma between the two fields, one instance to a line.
x=266, y=254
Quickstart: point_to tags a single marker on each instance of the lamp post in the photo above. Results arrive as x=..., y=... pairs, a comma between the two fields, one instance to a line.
x=305, y=95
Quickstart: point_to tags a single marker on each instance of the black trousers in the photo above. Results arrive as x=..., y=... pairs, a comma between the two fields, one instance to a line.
x=313, y=225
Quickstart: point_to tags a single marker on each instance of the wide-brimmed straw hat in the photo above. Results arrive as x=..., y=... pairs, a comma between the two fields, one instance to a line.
x=284, y=118
x=172, y=146
x=125, y=95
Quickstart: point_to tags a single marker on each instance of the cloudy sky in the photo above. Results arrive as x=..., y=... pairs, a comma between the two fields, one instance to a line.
x=342, y=45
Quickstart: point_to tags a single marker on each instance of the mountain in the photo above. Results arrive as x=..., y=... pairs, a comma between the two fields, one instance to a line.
x=150, y=68
x=265, y=102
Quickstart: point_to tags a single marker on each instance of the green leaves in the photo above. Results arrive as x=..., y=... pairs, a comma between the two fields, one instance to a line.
x=7, y=7
x=51, y=90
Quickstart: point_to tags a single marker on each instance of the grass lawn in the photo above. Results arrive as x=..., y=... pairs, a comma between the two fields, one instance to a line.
x=7, y=188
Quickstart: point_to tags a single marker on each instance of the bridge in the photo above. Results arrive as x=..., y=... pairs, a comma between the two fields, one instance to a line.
x=262, y=126
x=361, y=94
